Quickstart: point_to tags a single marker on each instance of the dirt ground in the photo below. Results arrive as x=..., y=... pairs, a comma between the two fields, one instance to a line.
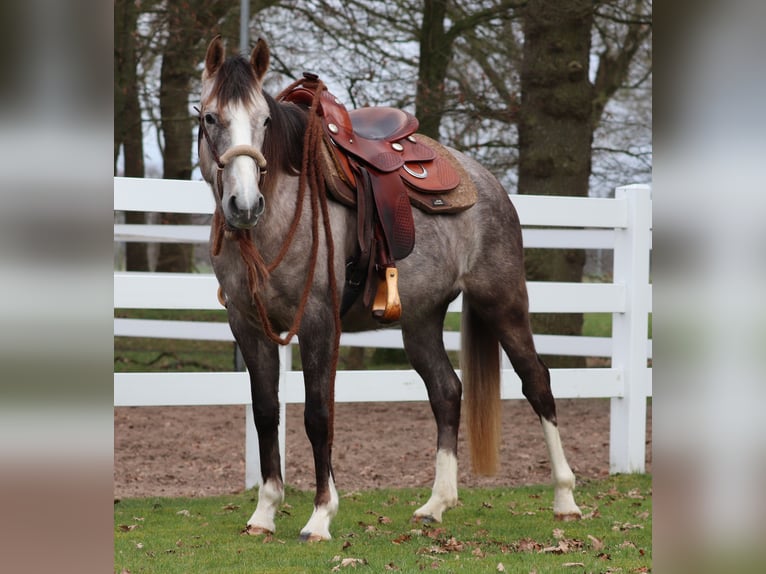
x=199, y=451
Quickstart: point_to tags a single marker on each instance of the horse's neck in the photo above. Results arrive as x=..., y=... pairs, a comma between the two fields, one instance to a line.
x=274, y=227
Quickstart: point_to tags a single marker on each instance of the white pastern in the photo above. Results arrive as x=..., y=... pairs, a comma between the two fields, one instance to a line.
x=444, y=492
x=270, y=496
x=318, y=526
x=564, y=506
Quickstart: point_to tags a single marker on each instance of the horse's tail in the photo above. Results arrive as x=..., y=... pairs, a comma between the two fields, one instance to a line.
x=480, y=367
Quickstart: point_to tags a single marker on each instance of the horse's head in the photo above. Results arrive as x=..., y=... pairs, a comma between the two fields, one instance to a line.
x=234, y=116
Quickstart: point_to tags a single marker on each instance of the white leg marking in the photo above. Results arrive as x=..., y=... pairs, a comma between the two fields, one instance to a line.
x=318, y=526
x=270, y=496
x=444, y=492
x=564, y=507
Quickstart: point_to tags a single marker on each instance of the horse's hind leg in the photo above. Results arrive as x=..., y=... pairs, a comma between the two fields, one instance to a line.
x=424, y=345
x=515, y=336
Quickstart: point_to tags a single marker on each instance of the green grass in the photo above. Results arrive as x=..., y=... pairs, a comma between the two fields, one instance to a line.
x=512, y=527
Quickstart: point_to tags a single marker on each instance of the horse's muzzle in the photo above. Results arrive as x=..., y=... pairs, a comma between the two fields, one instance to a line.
x=243, y=218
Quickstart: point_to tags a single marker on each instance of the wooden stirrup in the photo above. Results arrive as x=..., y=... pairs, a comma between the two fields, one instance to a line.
x=387, y=307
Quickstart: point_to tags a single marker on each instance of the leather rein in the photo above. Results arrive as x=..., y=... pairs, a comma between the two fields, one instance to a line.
x=256, y=267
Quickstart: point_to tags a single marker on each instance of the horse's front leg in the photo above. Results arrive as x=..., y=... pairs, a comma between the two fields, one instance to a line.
x=316, y=346
x=262, y=360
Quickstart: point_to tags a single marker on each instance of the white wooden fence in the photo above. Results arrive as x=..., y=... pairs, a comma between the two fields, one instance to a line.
x=622, y=224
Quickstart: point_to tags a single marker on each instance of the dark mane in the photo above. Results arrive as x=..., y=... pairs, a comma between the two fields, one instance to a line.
x=283, y=144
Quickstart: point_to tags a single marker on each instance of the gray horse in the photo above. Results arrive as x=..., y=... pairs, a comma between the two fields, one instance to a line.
x=252, y=154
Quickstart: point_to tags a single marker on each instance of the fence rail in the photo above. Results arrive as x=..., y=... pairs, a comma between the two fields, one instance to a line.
x=622, y=224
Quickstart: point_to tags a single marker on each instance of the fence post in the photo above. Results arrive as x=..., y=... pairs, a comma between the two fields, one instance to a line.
x=252, y=454
x=627, y=444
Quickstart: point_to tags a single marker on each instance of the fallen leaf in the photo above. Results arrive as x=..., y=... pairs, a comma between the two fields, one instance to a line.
x=452, y=545
x=500, y=567
x=392, y=567
x=626, y=526
x=573, y=564
x=127, y=527
x=604, y=556
x=558, y=533
x=564, y=546
x=346, y=544
x=231, y=507
x=528, y=545
x=595, y=542
x=346, y=562
x=402, y=538
x=435, y=532
x=184, y=512
x=477, y=552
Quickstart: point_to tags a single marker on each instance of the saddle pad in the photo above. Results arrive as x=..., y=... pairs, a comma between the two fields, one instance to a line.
x=462, y=195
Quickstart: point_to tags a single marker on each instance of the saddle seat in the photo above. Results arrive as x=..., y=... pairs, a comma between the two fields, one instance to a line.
x=376, y=163
x=382, y=123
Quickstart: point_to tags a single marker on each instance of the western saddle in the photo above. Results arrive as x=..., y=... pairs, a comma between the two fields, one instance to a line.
x=376, y=163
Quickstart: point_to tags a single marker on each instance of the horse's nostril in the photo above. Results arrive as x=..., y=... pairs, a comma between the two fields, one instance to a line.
x=260, y=205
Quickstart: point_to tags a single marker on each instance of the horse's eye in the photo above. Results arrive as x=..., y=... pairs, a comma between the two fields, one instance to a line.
x=209, y=119
x=266, y=122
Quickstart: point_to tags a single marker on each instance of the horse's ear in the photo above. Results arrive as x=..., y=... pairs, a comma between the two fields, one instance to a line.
x=215, y=56
x=259, y=58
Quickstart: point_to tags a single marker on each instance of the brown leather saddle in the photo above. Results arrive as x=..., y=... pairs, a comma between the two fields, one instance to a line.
x=375, y=162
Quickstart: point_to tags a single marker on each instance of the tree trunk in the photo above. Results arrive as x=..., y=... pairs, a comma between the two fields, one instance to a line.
x=435, y=56
x=127, y=117
x=175, y=84
x=555, y=134
x=189, y=25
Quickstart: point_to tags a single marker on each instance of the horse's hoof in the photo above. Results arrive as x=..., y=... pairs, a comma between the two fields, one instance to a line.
x=424, y=519
x=311, y=537
x=567, y=517
x=254, y=530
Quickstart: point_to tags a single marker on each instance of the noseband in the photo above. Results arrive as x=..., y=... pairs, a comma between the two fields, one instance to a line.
x=223, y=160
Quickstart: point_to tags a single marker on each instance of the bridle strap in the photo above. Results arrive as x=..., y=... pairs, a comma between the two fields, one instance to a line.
x=208, y=139
x=234, y=151
x=247, y=150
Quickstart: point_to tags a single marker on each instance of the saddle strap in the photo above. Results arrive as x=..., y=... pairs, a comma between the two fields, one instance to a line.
x=360, y=267
x=385, y=232
x=394, y=213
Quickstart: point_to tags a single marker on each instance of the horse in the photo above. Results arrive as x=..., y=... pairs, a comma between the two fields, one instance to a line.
x=279, y=251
